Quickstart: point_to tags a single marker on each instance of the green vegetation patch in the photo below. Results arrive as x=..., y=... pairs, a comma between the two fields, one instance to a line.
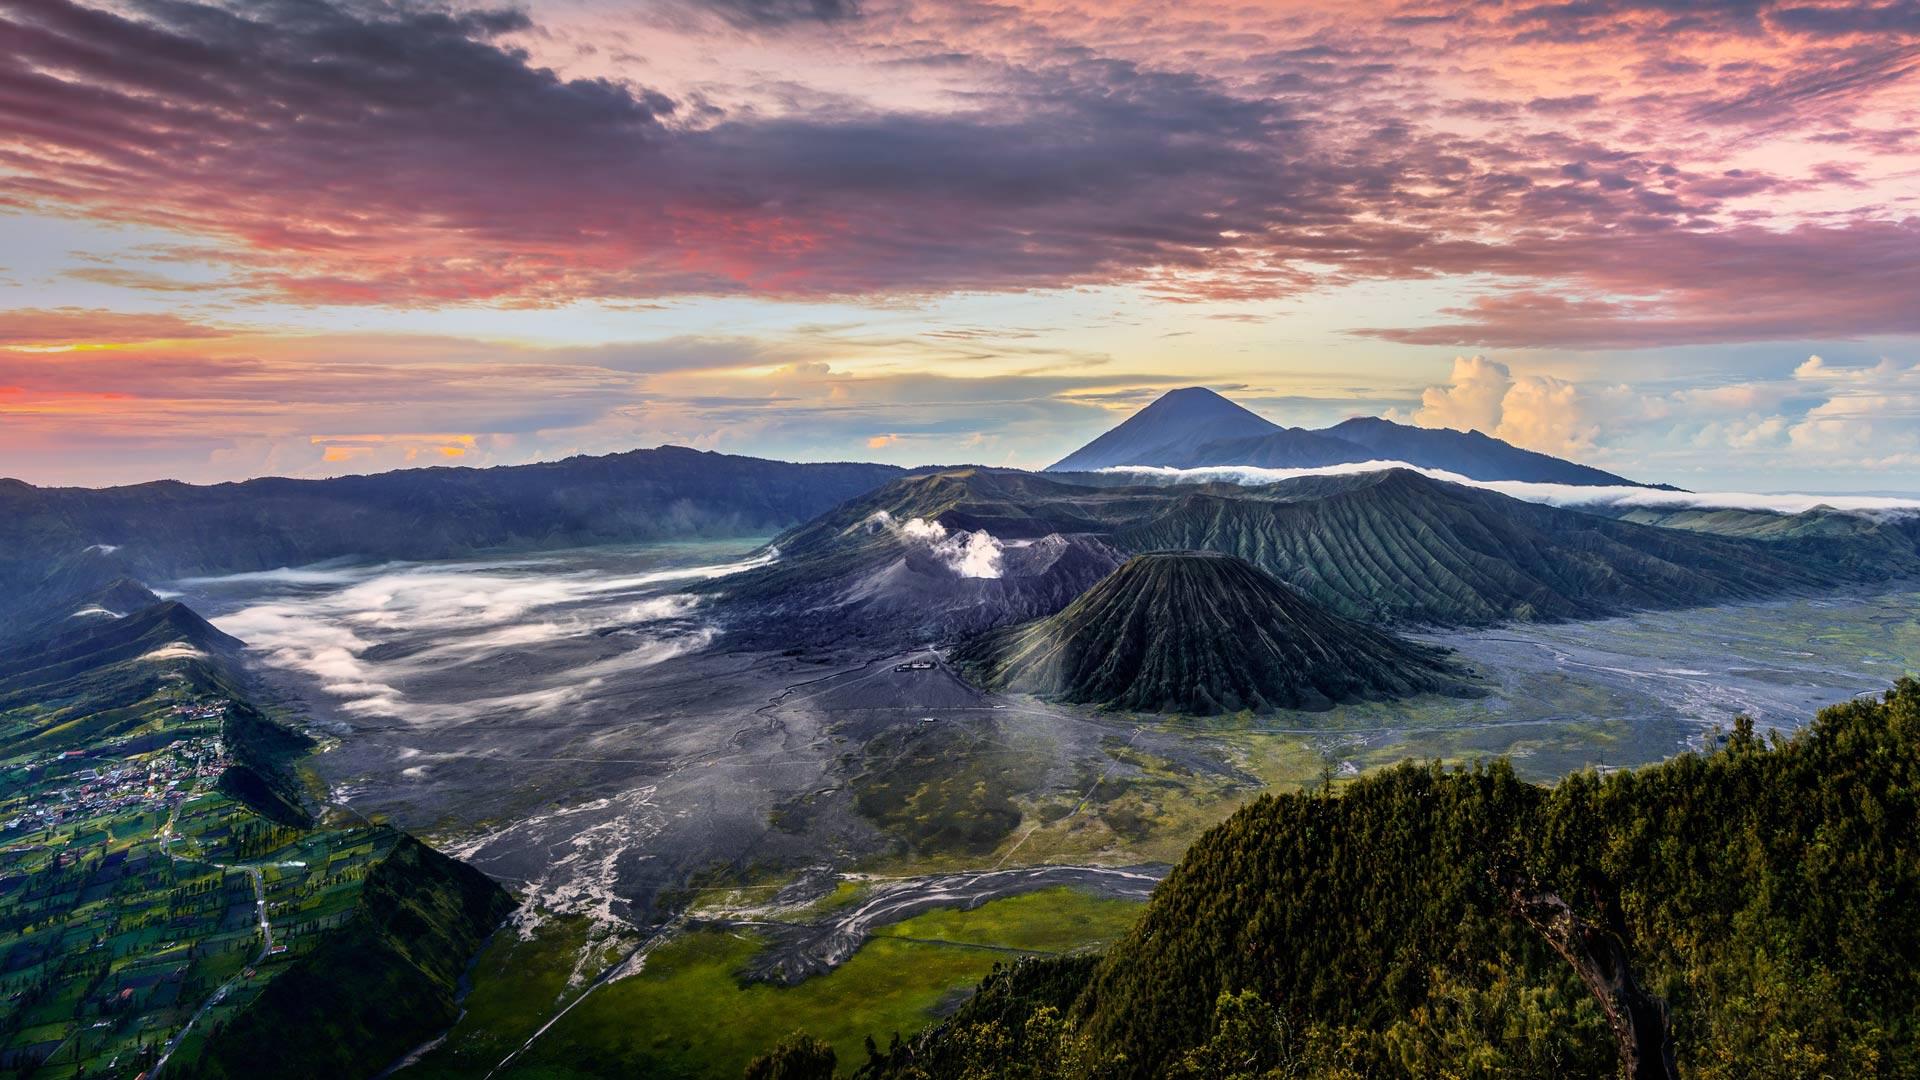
x=945, y=788
x=687, y=1014
x=366, y=993
x=519, y=981
x=148, y=815
x=1390, y=927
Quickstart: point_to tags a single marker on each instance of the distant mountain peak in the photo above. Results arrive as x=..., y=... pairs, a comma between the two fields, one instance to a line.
x=1470, y=453
x=1195, y=393
x=1194, y=427
x=1197, y=404
x=1167, y=429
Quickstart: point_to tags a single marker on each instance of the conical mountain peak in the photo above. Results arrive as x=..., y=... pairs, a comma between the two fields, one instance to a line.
x=1200, y=632
x=1176, y=423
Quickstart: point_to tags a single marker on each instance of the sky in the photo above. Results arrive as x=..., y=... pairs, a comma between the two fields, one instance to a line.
x=1677, y=239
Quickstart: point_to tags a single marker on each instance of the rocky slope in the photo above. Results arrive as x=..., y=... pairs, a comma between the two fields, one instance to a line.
x=1398, y=546
x=1394, y=546
x=1201, y=633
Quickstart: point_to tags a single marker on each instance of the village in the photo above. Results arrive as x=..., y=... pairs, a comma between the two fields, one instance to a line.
x=140, y=905
x=129, y=776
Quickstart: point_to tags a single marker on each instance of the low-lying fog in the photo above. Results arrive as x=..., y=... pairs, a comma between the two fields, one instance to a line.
x=1565, y=495
x=575, y=723
x=521, y=710
x=444, y=642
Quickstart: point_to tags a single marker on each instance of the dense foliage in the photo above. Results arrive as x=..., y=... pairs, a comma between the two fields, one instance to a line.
x=941, y=788
x=1770, y=891
x=799, y=1057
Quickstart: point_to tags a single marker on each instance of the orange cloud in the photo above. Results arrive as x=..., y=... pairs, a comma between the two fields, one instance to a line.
x=348, y=447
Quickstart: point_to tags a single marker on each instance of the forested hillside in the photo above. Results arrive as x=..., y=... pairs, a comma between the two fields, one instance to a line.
x=366, y=995
x=165, y=889
x=1766, y=896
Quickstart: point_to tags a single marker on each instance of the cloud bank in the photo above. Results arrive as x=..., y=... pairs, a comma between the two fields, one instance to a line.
x=1567, y=495
x=211, y=208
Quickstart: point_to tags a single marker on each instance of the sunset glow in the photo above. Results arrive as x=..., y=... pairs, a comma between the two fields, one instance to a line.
x=958, y=232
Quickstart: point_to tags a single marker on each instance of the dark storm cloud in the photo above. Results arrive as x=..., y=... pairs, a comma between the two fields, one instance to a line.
x=1580, y=20
x=779, y=13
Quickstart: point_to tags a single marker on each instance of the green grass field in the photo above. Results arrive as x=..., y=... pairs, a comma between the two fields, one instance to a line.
x=686, y=1014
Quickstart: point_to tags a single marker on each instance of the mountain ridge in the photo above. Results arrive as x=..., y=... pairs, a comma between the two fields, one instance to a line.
x=1470, y=453
x=1195, y=427
x=1398, y=546
x=58, y=543
x=1392, y=546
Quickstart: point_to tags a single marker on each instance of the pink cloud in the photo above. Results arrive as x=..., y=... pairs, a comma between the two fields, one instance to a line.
x=61, y=327
x=1272, y=151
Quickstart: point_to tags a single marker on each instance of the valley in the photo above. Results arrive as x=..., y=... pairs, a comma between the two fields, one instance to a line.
x=905, y=540
x=948, y=726
x=669, y=807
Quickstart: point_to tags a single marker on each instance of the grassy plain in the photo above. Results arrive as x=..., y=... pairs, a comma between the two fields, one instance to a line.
x=688, y=1014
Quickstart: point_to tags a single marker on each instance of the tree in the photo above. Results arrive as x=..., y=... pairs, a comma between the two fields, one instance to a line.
x=1742, y=738
x=798, y=1057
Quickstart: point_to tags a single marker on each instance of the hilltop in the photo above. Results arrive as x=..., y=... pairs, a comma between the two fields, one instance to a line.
x=1173, y=426
x=1201, y=633
x=1738, y=910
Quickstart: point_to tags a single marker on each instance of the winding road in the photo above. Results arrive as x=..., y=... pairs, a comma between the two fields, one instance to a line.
x=252, y=870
